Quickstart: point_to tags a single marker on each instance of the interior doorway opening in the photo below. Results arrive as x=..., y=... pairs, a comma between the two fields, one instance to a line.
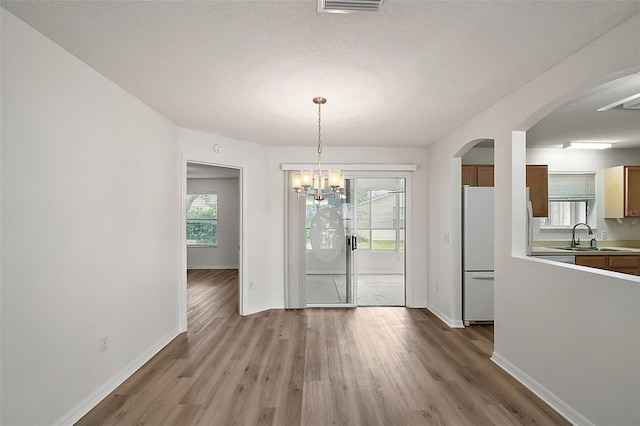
x=212, y=223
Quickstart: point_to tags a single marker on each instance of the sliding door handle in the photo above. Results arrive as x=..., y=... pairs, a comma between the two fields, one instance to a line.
x=354, y=242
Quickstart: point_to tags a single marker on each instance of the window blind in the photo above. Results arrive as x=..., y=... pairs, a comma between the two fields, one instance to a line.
x=572, y=186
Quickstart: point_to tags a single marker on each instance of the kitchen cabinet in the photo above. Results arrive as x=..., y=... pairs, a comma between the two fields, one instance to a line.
x=469, y=175
x=628, y=264
x=477, y=174
x=538, y=184
x=622, y=192
x=485, y=175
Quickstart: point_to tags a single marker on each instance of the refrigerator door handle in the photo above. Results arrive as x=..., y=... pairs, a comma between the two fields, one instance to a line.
x=482, y=275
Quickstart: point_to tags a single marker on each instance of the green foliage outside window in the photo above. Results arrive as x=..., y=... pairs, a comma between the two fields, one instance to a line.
x=202, y=219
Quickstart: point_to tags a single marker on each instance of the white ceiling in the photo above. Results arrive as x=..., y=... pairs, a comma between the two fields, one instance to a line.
x=580, y=120
x=249, y=69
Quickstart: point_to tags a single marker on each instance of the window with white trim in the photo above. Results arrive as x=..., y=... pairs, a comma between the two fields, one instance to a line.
x=572, y=200
x=202, y=219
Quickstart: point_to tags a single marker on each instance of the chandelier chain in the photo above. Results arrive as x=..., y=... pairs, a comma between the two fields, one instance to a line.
x=319, y=128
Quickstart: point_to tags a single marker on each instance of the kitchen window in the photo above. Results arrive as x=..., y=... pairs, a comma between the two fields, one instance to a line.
x=572, y=200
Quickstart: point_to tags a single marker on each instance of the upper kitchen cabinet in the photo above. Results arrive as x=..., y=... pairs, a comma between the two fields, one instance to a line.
x=622, y=192
x=538, y=184
x=477, y=174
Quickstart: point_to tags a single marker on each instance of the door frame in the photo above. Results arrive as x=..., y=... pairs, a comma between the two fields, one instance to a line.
x=408, y=222
x=182, y=297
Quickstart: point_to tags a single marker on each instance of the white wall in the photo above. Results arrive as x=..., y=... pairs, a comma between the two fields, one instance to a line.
x=571, y=333
x=560, y=160
x=478, y=155
x=225, y=254
x=90, y=231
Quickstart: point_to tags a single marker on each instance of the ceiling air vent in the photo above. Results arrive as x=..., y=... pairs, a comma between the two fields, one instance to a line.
x=350, y=6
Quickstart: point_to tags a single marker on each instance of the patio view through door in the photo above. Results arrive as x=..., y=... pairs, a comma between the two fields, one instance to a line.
x=355, y=251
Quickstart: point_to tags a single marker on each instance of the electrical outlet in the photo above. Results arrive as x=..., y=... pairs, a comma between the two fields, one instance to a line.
x=603, y=235
x=104, y=343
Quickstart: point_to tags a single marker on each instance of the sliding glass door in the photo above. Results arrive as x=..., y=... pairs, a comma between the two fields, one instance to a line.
x=381, y=238
x=330, y=242
x=323, y=267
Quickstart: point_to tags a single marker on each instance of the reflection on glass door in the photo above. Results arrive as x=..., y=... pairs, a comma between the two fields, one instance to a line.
x=330, y=241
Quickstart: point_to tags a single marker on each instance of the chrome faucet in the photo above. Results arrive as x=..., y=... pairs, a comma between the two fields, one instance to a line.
x=575, y=243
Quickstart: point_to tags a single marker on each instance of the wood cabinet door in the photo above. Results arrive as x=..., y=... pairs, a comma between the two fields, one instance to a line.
x=485, y=175
x=632, y=191
x=600, y=262
x=469, y=175
x=538, y=184
x=630, y=261
x=624, y=264
x=627, y=264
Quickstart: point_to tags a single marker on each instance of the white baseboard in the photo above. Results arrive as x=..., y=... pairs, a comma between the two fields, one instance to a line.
x=418, y=304
x=212, y=266
x=451, y=323
x=541, y=392
x=103, y=391
x=255, y=309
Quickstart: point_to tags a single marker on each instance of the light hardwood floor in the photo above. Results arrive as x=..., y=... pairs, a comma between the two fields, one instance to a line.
x=364, y=366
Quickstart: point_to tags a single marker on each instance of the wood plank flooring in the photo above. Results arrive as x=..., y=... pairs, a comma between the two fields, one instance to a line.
x=364, y=366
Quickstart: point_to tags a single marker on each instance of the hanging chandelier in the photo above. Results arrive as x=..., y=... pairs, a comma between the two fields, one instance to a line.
x=318, y=185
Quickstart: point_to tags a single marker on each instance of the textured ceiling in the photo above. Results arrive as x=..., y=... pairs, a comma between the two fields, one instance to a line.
x=580, y=120
x=249, y=69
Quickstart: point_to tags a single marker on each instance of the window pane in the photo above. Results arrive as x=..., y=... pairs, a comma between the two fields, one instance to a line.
x=364, y=209
x=381, y=217
x=364, y=239
x=202, y=232
x=383, y=239
x=312, y=208
x=566, y=213
x=202, y=219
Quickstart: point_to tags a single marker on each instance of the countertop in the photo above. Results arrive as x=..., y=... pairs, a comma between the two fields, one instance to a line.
x=604, y=250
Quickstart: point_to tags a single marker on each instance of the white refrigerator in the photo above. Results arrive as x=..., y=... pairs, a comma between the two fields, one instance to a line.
x=477, y=254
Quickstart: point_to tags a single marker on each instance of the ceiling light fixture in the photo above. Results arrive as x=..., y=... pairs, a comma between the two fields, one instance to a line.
x=587, y=145
x=630, y=102
x=350, y=6
x=306, y=183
